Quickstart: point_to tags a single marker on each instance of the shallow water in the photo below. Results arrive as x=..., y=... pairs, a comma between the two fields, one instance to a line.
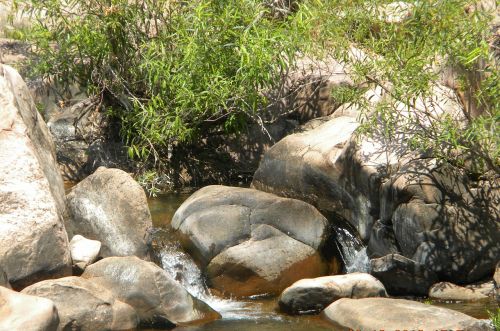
x=260, y=314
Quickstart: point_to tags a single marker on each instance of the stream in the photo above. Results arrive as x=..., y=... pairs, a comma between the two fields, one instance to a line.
x=256, y=314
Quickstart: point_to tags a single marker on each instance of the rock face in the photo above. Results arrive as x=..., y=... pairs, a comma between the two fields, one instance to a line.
x=397, y=314
x=398, y=200
x=33, y=241
x=83, y=305
x=111, y=207
x=25, y=312
x=449, y=291
x=496, y=281
x=401, y=275
x=313, y=295
x=157, y=298
x=85, y=140
x=84, y=251
x=251, y=242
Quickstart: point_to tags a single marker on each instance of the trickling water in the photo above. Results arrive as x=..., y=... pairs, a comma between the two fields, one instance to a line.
x=352, y=250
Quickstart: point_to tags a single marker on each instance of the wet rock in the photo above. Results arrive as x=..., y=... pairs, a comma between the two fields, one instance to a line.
x=83, y=305
x=157, y=298
x=25, y=312
x=450, y=291
x=397, y=314
x=402, y=276
x=314, y=295
x=265, y=264
x=221, y=227
x=111, y=207
x=33, y=240
x=84, y=251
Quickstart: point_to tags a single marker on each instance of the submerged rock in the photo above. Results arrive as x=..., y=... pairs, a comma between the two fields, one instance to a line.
x=84, y=251
x=313, y=295
x=398, y=314
x=402, y=276
x=157, y=298
x=33, y=240
x=83, y=305
x=251, y=242
x=110, y=206
x=26, y=312
x=449, y=291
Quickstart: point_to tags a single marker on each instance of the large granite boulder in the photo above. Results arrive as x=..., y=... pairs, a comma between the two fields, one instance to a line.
x=402, y=276
x=251, y=242
x=110, y=206
x=25, y=312
x=398, y=314
x=83, y=305
x=399, y=200
x=314, y=295
x=33, y=240
x=157, y=298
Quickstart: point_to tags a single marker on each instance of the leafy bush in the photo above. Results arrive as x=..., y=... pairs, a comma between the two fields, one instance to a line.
x=172, y=69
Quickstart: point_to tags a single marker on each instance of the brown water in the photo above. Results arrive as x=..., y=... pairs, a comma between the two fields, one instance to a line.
x=262, y=314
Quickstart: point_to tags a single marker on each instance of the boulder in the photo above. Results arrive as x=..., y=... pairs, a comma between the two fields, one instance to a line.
x=402, y=276
x=83, y=305
x=314, y=295
x=224, y=228
x=84, y=251
x=157, y=298
x=25, y=312
x=33, y=240
x=450, y=291
x=399, y=200
x=265, y=264
x=4, y=280
x=397, y=314
x=111, y=207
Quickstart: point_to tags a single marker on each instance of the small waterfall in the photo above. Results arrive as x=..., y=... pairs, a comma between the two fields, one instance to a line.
x=182, y=268
x=352, y=250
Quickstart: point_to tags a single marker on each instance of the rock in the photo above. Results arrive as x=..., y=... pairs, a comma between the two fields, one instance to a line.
x=111, y=207
x=223, y=226
x=25, y=312
x=398, y=200
x=85, y=140
x=496, y=281
x=314, y=295
x=397, y=314
x=265, y=264
x=402, y=276
x=33, y=240
x=4, y=280
x=485, y=288
x=84, y=251
x=449, y=291
x=157, y=298
x=83, y=305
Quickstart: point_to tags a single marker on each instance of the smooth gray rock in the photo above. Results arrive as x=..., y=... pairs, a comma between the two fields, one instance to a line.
x=313, y=295
x=402, y=276
x=217, y=217
x=111, y=207
x=398, y=314
x=266, y=264
x=84, y=251
x=4, y=280
x=26, y=312
x=221, y=227
x=33, y=240
x=157, y=298
x=83, y=305
x=450, y=291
